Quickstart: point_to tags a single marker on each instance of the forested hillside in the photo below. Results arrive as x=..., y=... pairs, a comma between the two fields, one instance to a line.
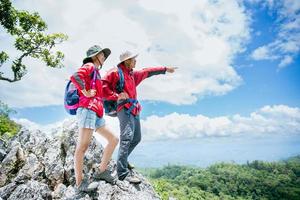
x=255, y=180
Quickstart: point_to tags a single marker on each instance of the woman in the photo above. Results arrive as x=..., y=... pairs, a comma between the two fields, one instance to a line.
x=90, y=115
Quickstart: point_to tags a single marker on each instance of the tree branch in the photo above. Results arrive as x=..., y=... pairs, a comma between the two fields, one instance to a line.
x=8, y=79
x=19, y=60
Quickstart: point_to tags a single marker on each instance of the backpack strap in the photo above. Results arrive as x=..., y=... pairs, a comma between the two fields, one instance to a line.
x=120, y=88
x=93, y=86
x=133, y=105
x=120, y=85
x=94, y=78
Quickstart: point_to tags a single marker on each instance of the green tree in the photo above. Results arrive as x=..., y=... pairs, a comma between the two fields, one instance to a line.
x=28, y=30
x=8, y=127
x=256, y=180
x=5, y=110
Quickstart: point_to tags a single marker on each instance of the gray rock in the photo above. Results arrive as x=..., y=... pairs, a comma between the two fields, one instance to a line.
x=37, y=166
x=33, y=169
x=70, y=193
x=105, y=191
x=11, y=164
x=53, y=161
x=93, y=186
x=31, y=190
x=6, y=191
x=2, y=154
x=32, y=141
x=3, y=146
x=59, y=191
x=126, y=191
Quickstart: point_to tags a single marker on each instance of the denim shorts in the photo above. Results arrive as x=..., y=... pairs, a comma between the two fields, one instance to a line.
x=89, y=119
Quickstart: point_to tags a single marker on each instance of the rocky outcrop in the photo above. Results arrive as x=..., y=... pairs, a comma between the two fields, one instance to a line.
x=35, y=165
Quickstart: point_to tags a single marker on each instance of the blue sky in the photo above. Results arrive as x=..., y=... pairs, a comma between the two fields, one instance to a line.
x=206, y=151
x=238, y=64
x=263, y=84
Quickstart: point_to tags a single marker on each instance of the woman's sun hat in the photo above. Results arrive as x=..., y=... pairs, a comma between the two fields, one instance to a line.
x=94, y=50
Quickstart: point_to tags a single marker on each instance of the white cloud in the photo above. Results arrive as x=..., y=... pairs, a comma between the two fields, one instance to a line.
x=286, y=45
x=262, y=53
x=285, y=61
x=201, y=38
x=48, y=129
x=277, y=119
x=69, y=123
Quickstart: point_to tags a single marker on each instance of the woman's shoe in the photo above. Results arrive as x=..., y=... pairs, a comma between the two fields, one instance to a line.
x=106, y=176
x=83, y=187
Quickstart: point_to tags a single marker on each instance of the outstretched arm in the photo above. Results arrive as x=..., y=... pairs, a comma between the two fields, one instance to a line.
x=140, y=75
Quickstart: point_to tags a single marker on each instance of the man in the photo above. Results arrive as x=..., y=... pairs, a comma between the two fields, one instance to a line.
x=128, y=107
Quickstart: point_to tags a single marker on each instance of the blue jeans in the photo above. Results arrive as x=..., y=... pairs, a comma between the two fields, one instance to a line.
x=130, y=136
x=89, y=119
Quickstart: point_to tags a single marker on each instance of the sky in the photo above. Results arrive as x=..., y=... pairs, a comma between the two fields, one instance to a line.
x=238, y=61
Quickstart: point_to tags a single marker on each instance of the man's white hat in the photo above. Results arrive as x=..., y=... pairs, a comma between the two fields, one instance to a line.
x=127, y=55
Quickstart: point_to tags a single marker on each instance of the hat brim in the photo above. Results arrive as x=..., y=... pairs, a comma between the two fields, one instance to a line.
x=106, y=52
x=127, y=58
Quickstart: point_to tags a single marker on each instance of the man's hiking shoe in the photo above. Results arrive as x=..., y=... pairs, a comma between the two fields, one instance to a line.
x=106, y=176
x=132, y=179
x=130, y=166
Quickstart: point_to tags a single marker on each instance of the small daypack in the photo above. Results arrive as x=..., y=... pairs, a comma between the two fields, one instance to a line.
x=111, y=106
x=71, y=98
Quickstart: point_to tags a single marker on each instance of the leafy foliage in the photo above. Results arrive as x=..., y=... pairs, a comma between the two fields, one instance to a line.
x=28, y=29
x=256, y=180
x=8, y=127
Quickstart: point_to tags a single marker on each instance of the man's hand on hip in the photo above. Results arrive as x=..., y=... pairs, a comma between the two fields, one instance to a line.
x=123, y=96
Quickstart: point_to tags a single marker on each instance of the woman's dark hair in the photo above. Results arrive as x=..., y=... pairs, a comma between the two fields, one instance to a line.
x=87, y=60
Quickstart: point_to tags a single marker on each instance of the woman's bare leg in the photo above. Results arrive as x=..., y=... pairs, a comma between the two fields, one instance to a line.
x=110, y=147
x=82, y=145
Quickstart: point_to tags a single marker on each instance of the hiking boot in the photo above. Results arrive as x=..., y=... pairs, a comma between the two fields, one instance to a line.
x=130, y=166
x=106, y=176
x=83, y=187
x=132, y=179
